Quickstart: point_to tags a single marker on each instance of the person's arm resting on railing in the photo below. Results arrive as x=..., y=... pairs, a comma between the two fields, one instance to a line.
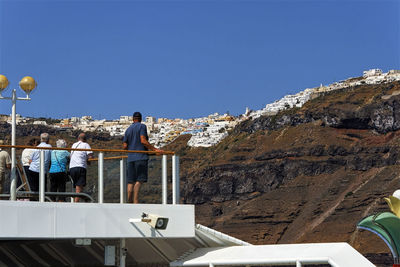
x=149, y=146
x=125, y=146
x=89, y=156
x=146, y=143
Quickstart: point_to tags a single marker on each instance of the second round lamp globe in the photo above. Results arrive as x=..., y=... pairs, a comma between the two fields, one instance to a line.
x=27, y=84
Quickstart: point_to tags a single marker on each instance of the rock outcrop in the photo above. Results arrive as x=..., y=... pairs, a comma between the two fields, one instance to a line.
x=381, y=114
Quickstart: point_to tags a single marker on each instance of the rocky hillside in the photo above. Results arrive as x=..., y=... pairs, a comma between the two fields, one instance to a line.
x=304, y=175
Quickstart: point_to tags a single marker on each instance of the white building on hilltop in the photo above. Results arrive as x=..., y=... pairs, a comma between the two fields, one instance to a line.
x=288, y=101
x=372, y=72
x=125, y=119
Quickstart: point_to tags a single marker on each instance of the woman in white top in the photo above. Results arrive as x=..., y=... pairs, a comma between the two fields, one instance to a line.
x=26, y=156
x=78, y=163
x=27, y=152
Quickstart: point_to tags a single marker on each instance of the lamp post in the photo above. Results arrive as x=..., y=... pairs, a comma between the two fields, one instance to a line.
x=27, y=84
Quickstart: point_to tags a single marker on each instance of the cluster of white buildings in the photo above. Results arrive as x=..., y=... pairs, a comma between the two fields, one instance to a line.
x=372, y=76
x=288, y=101
x=210, y=130
x=205, y=131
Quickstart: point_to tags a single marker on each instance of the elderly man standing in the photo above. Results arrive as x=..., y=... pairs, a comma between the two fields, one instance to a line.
x=5, y=163
x=34, y=167
x=136, y=138
x=78, y=163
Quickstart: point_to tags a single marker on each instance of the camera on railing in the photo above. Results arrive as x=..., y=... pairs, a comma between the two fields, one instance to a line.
x=155, y=221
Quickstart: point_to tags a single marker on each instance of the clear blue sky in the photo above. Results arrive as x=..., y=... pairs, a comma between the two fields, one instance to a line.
x=187, y=58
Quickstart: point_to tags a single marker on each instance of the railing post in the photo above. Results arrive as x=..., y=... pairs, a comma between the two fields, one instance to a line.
x=175, y=179
x=13, y=184
x=41, y=177
x=164, y=179
x=101, y=178
x=122, y=181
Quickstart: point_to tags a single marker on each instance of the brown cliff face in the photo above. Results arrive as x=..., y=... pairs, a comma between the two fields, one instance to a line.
x=304, y=175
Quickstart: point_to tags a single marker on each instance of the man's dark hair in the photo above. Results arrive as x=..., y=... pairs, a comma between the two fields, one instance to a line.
x=137, y=115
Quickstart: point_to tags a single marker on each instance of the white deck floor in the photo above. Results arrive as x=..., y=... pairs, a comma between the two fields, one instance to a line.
x=52, y=220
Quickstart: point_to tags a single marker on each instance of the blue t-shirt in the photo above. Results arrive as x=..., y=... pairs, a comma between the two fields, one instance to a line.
x=59, y=160
x=132, y=138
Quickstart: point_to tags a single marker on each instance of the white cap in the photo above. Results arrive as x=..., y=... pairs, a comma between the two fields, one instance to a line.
x=396, y=194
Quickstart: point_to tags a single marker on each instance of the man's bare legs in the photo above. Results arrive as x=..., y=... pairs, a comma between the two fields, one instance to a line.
x=78, y=190
x=130, y=193
x=136, y=192
x=133, y=192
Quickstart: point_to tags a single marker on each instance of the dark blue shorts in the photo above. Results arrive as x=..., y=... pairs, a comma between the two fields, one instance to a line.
x=137, y=171
x=78, y=175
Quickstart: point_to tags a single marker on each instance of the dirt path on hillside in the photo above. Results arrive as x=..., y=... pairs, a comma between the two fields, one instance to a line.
x=354, y=187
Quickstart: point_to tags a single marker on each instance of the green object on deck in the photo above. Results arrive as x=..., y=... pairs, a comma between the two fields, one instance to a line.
x=387, y=226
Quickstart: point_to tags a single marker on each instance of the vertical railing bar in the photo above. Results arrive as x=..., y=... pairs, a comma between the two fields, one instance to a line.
x=13, y=183
x=175, y=180
x=178, y=180
x=122, y=180
x=101, y=177
x=41, y=177
x=164, y=179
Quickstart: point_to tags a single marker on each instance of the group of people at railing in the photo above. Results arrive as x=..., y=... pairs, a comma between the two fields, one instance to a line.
x=56, y=164
x=61, y=164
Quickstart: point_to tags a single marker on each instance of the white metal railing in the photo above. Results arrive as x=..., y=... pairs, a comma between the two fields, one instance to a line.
x=175, y=179
x=123, y=192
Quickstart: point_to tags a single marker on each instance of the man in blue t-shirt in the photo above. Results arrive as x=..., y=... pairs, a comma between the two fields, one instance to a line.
x=136, y=138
